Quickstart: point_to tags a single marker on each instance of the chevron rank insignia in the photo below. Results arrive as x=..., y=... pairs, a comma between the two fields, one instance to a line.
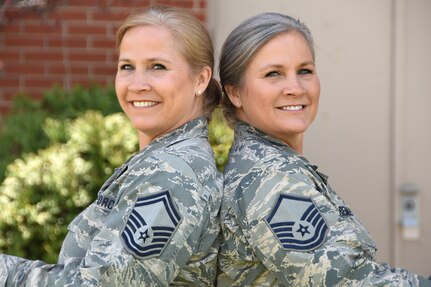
x=150, y=225
x=297, y=223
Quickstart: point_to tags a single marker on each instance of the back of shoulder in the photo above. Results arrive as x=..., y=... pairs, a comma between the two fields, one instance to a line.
x=248, y=153
x=197, y=153
x=254, y=163
x=187, y=172
x=194, y=158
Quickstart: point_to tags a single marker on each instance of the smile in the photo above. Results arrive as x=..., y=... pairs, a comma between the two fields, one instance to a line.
x=144, y=104
x=292, y=108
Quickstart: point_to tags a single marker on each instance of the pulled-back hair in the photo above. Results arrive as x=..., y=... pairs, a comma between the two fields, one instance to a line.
x=194, y=43
x=244, y=42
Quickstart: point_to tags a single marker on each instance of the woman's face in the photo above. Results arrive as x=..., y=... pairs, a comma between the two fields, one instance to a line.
x=280, y=90
x=154, y=85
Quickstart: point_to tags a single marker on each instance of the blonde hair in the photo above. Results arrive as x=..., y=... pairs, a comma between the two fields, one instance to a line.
x=194, y=41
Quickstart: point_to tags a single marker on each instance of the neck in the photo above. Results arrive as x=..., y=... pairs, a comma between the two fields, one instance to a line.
x=297, y=143
x=297, y=148
x=144, y=140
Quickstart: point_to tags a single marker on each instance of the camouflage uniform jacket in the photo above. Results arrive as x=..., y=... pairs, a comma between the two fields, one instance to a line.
x=154, y=223
x=283, y=225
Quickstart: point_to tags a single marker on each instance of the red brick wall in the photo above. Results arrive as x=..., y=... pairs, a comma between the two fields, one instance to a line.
x=64, y=42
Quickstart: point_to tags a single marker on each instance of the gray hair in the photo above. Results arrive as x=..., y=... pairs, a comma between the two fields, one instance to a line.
x=244, y=42
x=194, y=42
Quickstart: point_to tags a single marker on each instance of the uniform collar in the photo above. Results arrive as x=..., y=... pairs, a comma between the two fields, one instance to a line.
x=194, y=129
x=244, y=130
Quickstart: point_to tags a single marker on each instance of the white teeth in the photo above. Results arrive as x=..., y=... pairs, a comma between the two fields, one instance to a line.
x=292, y=108
x=144, y=104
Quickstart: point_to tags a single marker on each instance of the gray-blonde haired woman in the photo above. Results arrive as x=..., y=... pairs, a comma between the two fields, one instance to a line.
x=155, y=220
x=282, y=223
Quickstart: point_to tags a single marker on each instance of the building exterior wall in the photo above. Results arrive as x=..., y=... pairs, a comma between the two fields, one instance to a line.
x=371, y=135
x=64, y=42
x=411, y=126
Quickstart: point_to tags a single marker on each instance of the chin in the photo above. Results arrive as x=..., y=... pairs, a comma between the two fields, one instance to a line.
x=143, y=127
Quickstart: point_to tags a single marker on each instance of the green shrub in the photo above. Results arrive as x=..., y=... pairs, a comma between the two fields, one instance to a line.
x=220, y=137
x=22, y=128
x=43, y=192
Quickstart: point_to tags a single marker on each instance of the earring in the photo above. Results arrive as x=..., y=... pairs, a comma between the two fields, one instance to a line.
x=199, y=93
x=238, y=104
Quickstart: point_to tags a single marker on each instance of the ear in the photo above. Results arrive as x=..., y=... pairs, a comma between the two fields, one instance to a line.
x=234, y=95
x=203, y=80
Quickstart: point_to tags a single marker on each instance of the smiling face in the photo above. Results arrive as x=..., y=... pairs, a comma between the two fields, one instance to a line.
x=154, y=84
x=279, y=92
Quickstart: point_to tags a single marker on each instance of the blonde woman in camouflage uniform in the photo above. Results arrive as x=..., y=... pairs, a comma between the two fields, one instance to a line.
x=155, y=220
x=282, y=223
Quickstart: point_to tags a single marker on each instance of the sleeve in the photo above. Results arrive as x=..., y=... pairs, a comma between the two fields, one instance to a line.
x=15, y=271
x=148, y=237
x=301, y=237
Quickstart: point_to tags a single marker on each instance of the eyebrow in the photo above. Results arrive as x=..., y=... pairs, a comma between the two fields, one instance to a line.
x=152, y=60
x=278, y=66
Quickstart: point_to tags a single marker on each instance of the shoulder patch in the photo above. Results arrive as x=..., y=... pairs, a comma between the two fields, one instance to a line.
x=150, y=225
x=297, y=223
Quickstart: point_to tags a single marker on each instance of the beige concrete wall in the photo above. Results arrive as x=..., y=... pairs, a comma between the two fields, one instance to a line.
x=412, y=125
x=360, y=119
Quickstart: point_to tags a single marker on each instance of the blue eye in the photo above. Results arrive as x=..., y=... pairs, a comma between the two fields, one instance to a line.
x=272, y=74
x=305, y=71
x=159, y=67
x=126, y=67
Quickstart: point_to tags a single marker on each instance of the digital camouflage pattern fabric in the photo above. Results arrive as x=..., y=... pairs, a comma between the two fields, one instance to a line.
x=154, y=223
x=283, y=225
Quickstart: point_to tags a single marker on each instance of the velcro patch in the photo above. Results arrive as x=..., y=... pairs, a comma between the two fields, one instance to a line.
x=297, y=223
x=150, y=225
x=345, y=211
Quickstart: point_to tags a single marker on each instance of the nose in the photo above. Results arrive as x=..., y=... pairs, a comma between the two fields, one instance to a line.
x=139, y=83
x=293, y=86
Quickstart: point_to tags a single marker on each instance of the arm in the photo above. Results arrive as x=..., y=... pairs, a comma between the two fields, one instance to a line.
x=15, y=271
x=334, y=251
x=109, y=259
